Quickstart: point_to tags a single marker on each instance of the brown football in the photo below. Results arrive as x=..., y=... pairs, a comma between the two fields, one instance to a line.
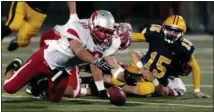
x=116, y=96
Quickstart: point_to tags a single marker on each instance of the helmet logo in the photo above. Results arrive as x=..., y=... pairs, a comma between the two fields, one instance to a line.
x=94, y=16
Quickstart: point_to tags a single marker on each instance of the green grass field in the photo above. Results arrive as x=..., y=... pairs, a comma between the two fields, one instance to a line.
x=204, y=54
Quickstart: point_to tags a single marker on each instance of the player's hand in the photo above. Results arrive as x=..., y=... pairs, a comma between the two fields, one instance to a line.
x=202, y=95
x=103, y=94
x=147, y=75
x=103, y=65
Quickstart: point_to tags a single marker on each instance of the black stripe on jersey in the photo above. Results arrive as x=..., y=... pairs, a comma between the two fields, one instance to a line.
x=13, y=13
x=177, y=21
x=174, y=20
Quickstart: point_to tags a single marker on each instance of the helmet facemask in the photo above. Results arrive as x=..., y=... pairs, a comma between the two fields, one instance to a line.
x=172, y=34
x=102, y=36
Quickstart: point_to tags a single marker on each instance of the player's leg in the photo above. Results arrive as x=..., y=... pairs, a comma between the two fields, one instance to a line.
x=56, y=89
x=28, y=29
x=73, y=89
x=49, y=35
x=15, y=81
x=15, y=18
x=177, y=86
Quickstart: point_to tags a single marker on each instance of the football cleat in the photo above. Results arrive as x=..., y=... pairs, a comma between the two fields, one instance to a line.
x=37, y=87
x=14, y=65
x=13, y=45
x=86, y=80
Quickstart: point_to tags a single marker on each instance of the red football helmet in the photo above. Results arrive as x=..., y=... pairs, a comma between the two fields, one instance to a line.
x=124, y=31
x=101, y=24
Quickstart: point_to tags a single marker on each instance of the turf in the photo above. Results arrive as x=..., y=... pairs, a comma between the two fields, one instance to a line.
x=188, y=102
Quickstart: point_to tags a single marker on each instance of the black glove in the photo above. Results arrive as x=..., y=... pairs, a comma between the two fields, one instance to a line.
x=101, y=64
x=103, y=93
x=131, y=78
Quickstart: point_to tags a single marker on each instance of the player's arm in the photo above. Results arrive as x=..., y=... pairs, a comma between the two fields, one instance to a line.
x=72, y=10
x=147, y=35
x=80, y=52
x=147, y=75
x=138, y=37
x=195, y=69
x=84, y=55
x=117, y=72
x=196, y=78
x=72, y=7
x=195, y=73
x=76, y=45
x=95, y=64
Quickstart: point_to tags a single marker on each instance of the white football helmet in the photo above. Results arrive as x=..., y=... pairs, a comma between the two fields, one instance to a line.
x=101, y=24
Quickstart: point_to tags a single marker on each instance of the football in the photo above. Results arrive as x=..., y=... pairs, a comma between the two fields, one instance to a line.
x=116, y=96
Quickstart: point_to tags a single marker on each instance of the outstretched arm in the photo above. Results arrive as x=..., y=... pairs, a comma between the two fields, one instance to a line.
x=138, y=37
x=73, y=12
x=196, y=78
x=80, y=52
x=72, y=7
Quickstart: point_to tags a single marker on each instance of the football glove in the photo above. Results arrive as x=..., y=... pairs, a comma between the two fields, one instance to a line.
x=131, y=78
x=102, y=65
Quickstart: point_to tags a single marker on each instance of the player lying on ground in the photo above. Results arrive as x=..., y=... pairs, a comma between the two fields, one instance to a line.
x=125, y=43
x=138, y=86
x=168, y=57
x=56, y=59
x=167, y=47
x=27, y=18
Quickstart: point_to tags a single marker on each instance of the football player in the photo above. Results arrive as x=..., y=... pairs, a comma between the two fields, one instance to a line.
x=27, y=18
x=167, y=48
x=123, y=31
x=55, y=59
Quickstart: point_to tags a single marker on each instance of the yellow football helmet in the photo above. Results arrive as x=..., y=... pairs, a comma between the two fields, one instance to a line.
x=173, y=28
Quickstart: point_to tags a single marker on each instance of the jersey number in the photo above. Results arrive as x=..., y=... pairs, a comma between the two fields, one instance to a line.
x=187, y=44
x=161, y=70
x=155, y=28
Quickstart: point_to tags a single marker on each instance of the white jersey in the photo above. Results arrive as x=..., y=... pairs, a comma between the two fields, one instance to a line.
x=58, y=52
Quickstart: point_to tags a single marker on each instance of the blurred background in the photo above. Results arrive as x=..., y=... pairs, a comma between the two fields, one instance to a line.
x=198, y=15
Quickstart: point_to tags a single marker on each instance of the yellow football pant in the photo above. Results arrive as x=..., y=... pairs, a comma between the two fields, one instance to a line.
x=25, y=19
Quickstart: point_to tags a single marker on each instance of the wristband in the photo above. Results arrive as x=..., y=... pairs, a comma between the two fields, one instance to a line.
x=100, y=85
x=139, y=64
x=196, y=90
x=156, y=82
x=117, y=72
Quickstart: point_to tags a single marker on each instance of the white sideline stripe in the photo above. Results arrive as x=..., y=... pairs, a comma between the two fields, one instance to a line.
x=97, y=100
x=206, y=86
x=198, y=51
x=189, y=37
x=188, y=85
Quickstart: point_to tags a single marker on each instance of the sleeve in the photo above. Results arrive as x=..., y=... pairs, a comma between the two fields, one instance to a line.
x=151, y=32
x=188, y=49
x=71, y=32
x=195, y=72
x=148, y=34
x=138, y=37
